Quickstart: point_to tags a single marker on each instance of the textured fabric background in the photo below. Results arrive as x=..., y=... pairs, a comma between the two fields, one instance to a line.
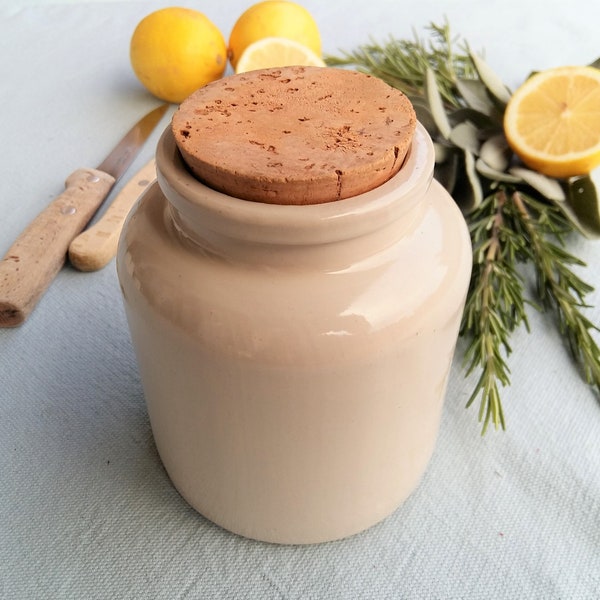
x=86, y=509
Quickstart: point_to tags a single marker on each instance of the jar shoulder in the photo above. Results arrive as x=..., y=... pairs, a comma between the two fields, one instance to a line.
x=424, y=272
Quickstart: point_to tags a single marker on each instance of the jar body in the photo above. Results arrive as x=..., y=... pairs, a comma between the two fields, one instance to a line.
x=294, y=367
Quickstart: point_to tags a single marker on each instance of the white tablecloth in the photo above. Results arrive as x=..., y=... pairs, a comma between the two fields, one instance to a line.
x=86, y=509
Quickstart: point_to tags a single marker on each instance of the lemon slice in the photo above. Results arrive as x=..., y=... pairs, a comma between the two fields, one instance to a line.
x=552, y=122
x=276, y=52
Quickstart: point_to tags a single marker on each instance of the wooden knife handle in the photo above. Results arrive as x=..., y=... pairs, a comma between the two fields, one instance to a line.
x=37, y=255
x=96, y=246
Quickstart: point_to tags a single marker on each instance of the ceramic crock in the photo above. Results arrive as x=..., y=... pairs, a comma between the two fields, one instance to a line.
x=294, y=359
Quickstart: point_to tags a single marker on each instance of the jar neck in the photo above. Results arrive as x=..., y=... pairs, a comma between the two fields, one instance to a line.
x=241, y=229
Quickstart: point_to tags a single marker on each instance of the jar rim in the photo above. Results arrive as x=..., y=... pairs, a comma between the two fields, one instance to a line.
x=201, y=207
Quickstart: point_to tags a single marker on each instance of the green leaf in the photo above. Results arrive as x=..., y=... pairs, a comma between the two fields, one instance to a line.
x=595, y=64
x=442, y=152
x=493, y=174
x=460, y=115
x=549, y=188
x=436, y=105
x=468, y=192
x=447, y=171
x=495, y=152
x=492, y=82
x=466, y=136
x=475, y=95
x=474, y=182
x=583, y=205
x=425, y=117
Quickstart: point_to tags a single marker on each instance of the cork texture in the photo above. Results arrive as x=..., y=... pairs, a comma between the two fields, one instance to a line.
x=295, y=135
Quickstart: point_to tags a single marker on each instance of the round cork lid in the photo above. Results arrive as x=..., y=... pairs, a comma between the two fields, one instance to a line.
x=295, y=135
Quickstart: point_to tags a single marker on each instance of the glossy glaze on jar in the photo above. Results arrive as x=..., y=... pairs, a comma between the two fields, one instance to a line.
x=294, y=359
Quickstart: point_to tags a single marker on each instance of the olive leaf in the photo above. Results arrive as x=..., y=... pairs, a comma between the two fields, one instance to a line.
x=425, y=117
x=495, y=152
x=549, y=188
x=468, y=192
x=442, y=152
x=475, y=95
x=478, y=118
x=583, y=205
x=466, y=136
x=436, y=105
x=447, y=172
x=493, y=174
x=492, y=82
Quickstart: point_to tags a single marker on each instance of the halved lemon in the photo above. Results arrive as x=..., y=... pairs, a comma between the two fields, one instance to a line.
x=279, y=18
x=276, y=52
x=552, y=122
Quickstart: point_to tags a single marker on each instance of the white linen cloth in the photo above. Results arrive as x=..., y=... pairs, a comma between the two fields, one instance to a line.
x=86, y=509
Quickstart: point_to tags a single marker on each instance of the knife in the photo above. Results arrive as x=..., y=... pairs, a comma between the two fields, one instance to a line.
x=39, y=253
x=97, y=245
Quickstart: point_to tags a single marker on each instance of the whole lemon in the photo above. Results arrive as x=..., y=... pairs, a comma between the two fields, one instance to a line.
x=174, y=51
x=273, y=18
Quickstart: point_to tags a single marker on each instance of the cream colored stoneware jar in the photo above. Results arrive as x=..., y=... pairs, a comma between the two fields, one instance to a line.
x=294, y=359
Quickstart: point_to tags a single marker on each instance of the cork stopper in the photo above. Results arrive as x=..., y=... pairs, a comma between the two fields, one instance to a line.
x=295, y=135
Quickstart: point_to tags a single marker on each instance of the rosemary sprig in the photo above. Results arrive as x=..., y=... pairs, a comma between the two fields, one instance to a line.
x=514, y=215
x=495, y=305
x=558, y=287
x=403, y=63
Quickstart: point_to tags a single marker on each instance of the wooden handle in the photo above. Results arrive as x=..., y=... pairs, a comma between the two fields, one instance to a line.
x=95, y=247
x=37, y=255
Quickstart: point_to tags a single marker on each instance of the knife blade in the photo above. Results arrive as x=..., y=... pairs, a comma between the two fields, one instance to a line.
x=39, y=252
x=97, y=245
